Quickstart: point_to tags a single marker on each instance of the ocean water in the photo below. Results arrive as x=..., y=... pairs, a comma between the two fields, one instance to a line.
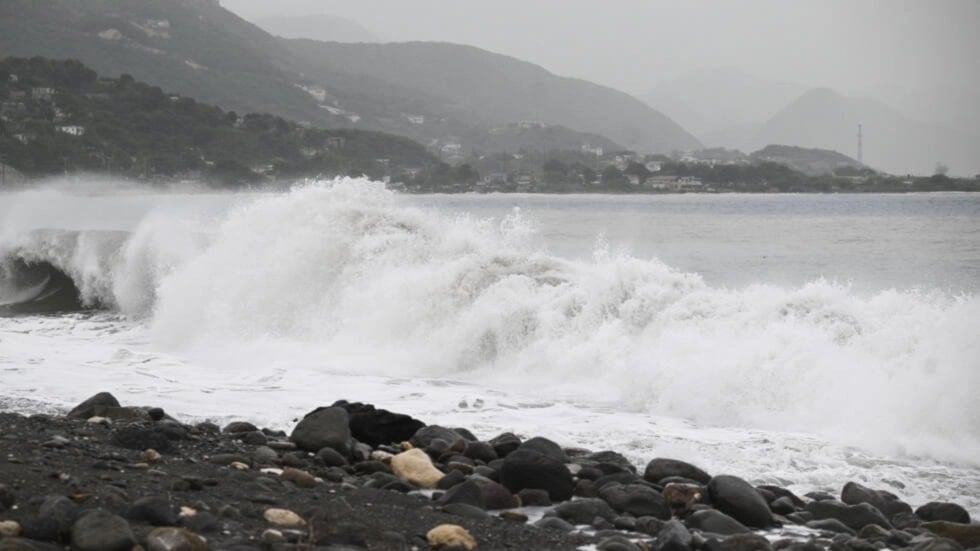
x=802, y=340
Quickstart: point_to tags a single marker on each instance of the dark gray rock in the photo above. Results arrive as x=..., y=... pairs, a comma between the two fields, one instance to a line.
x=505, y=443
x=738, y=542
x=323, y=428
x=528, y=468
x=855, y=516
x=480, y=451
x=424, y=436
x=740, y=500
x=495, y=495
x=674, y=536
x=92, y=406
x=451, y=479
x=545, y=447
x=616, y=478
x=636, y=499
x=533, y=497
x=714, y=521
x=649, y=525
x=888, y=503
x=584, y=511
x=782, y=506
x=239, y=426
x=254, y=438
x=608, y=461
x=331, y=457
x=155, y=510
x=779, y=492
x=831, y=525
x=661, y=468
x=950, y=512
x=467, y=492
x=375, y=426
x=101, y=530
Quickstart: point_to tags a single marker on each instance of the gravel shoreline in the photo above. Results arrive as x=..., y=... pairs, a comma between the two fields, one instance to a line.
x=351, y=476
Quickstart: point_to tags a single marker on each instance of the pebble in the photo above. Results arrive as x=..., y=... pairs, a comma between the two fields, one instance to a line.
x=450, y=535
x=272, y=536
x=298, y=477
x=9, y=528
x=150, y=455
x=284, y=518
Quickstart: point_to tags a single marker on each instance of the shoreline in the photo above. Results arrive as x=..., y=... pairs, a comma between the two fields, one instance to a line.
x=352, y=476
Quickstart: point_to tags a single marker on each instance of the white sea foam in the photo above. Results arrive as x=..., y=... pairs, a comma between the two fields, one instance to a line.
x=339, y=288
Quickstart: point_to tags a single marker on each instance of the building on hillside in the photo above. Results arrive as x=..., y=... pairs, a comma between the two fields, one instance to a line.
x=336, y=142
x=71, y=130
x=587, y=148
x=415, y=119
x=653, y=166
x=42, y=93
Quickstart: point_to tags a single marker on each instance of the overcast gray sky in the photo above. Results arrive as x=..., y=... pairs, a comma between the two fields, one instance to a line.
x=856, y=46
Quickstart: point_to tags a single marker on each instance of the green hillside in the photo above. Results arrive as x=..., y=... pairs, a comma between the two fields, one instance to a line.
x=434, y=93
x=59, y=116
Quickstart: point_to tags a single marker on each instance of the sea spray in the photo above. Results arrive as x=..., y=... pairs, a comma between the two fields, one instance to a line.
x=347, y=274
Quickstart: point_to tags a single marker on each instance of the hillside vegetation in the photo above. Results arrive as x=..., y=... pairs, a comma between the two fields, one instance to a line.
x=59, y=116
x=434, y=93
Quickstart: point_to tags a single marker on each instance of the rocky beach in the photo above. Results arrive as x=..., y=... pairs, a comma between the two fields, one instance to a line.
x=353, y=476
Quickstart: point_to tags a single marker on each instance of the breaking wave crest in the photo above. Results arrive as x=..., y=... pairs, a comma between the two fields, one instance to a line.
x=375, y=286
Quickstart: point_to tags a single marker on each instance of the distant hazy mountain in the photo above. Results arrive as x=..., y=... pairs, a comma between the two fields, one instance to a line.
x=328, y=28
x=486, y=88
x=710, y=100
x=435, y=93
x=822, y=118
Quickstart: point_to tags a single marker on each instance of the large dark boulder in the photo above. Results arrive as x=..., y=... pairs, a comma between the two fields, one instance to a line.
x=101, y=530
x=93, y=406
x=661, y=468
x=608, y=462
x=950, y=512
x=538, y=463
x=584, y=511
x=886, y=502
x=545, y=447
x=855, y=517
x=323, y=428
x=375, y=426
x=636, y=499
x=505, y=443
x=714, y=521
x=674, y=536
x=424, y=436
x=740, y=500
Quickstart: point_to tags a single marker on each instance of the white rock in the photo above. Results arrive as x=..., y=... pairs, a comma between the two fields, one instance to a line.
x=415, y=466
x=284, y=518
x=450, y=535
x=9, y=528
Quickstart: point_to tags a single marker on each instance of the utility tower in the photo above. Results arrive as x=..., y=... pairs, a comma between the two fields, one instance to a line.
x=860, y=145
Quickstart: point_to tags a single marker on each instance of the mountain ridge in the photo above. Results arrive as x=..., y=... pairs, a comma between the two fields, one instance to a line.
x=197, y=48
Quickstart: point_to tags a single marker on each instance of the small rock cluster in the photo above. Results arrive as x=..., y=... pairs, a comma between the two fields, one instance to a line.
x=351, y=476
